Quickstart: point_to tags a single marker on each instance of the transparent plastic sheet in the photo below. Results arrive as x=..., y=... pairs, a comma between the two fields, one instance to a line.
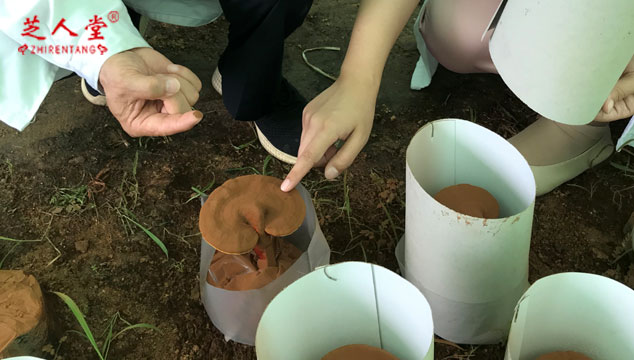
x=343, y=304
x=482, y=322
x=627, y=138
x=237, y=313
x=471, y=270
x=586, y=313
x=560, y=59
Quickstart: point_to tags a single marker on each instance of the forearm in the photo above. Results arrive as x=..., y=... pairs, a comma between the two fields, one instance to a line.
x=378, y=25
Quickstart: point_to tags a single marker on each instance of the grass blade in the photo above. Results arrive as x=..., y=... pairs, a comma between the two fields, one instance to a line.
x=136, y=326
x=81, y=320
x=150, y=234
x=243, y=146
x=203, y=192
x=7, y=254
x=4, y=238
x=267, y=160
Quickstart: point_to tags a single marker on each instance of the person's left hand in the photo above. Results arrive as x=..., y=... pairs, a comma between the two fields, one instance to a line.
x=148, y=94
x=344, y=111
x=620, y=103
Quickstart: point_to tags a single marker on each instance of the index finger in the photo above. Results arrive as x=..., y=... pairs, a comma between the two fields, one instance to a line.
x=309, y=156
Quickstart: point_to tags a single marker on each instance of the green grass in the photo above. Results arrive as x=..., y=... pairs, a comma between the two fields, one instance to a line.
x=129, y=217
x=109, y=335
x=245, y=145
x=128, y=200
x=265, y=164
x=71, y=200
x=346, y=202
x=16, y=242
x=128, y=196
x=201, y=192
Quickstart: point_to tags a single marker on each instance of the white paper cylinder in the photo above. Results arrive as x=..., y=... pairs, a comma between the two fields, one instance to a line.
x=343, y=304
x=471, y=270
x=586, y=313
x=561, y=57
x=237, y=313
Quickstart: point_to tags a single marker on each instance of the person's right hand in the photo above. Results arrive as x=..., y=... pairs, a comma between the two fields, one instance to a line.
x=148, y=94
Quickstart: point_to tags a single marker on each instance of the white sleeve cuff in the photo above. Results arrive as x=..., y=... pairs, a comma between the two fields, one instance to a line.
x=125, y=37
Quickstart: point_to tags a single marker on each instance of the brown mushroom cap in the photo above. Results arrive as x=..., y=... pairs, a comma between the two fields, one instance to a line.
x=563, y=355
x=21, y=305
x=469, y=200
x=359, y=352
x=237, y=213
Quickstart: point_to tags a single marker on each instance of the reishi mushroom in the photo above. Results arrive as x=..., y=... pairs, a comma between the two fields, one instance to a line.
x=247, y=210
x=469, y=200
x=359, y=352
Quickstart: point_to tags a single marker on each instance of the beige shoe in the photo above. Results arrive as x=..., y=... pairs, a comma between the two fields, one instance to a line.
x=216, y=82
x=271, y=149
x=92, y=95
x=548, y=177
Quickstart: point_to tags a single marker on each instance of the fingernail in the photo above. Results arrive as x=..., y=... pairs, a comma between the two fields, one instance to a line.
x=172, y=68
x=331, y=172
x=198, y=115
x=172, y=85
x=286, y=185
x=610, y=104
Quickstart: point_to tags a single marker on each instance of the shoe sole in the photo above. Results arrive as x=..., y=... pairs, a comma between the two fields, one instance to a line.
x=216, y=82
x=570, y=169
x=99, y=100
x=275, y=152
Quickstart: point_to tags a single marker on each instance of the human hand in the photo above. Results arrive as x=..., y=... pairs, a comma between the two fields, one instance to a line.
x=148, y=94
x=344, y=111
x=620, y=103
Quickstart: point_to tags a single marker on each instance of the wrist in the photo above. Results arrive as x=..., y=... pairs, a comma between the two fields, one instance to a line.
x=361, y=77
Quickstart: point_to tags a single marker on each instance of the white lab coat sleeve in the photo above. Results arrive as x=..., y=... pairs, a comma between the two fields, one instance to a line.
x=25, y=79
x=119, y=35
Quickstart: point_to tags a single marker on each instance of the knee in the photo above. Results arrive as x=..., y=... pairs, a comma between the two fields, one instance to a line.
x=453, y=35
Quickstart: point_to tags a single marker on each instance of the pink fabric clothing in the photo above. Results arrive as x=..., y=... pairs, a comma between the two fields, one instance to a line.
x=453, y=29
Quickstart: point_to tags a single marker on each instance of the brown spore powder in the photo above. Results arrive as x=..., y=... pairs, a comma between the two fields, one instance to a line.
x=359, y=352
x=469, y=200
x=242, y=209
x=21, y=305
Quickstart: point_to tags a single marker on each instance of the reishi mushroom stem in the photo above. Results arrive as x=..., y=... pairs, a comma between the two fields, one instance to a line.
x=268, y=243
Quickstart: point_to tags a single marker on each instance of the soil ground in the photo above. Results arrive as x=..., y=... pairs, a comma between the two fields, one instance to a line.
x=69, y=178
